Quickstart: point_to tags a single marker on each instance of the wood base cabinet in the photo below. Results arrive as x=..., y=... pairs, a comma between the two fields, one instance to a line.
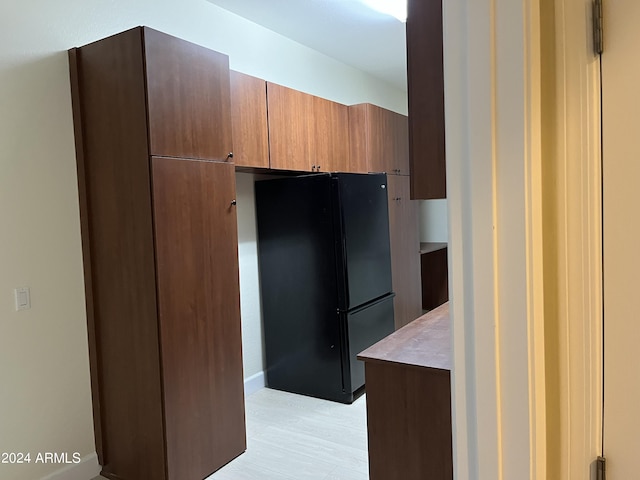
x=408, y=378
x=435, y=275
x=159, y=241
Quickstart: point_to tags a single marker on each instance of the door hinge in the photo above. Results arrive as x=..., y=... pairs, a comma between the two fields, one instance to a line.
x=597, y=27
x=601, y=469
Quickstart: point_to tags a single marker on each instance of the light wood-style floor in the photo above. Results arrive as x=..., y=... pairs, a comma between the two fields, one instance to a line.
x=293, y=437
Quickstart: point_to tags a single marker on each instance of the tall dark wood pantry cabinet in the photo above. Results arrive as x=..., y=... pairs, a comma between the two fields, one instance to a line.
x=405, y=245
x=158, y=219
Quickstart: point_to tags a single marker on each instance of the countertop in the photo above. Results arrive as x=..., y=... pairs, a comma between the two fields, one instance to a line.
x=425, y=342
x=428, y=247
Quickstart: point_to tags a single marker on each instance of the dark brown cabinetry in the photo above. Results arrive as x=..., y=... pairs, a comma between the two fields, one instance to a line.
x=188, y=95
x=408, y=377
x=426, y=99
x=199, y=314
x=306, y=133
x=405, y=246
x=160, y=255
x=290, y=133
x=379, y=140
x=330, y=136
x=435, y=277
x=249, y=121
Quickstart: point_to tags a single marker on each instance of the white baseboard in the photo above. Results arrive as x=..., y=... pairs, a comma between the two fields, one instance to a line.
x=254, y=383
x=87, y=469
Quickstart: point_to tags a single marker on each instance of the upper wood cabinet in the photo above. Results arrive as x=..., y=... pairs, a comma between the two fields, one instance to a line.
x=330, y=136
x=379, y=140
x=426, y=99
x=306, y=133
x=187, y=94
x=249, y=121
x=289, y=128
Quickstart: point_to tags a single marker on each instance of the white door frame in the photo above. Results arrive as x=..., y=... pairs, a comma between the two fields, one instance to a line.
x=573, y=280
x=499, y=237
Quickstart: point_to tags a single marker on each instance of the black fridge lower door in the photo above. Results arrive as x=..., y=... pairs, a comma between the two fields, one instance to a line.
x=362, y=327
x=315, y=352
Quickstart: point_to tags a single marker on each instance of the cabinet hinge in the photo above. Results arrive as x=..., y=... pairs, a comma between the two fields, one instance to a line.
x=597, y=27
x=601, y=469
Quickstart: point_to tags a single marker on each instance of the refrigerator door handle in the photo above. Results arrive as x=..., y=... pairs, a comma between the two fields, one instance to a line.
x=364, y=306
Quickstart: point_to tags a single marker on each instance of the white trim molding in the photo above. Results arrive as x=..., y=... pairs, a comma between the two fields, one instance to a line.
x=254, y=383
x=534, y=191
x=88, y=468
x=573, y=242
x=493, y=127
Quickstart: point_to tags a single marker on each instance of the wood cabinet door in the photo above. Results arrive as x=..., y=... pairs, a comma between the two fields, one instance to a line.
x=188, y=98
x=405, y=247
x=359, y=160
x=330, y=137
x=290, y=136
x=199, y=314
x=379, y=140
x=377, y=133
x=426, y=99
x=398, y=136
x=390, y=140
x=249, y=120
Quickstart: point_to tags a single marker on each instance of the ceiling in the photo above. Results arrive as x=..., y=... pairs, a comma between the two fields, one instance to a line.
x=346, y=30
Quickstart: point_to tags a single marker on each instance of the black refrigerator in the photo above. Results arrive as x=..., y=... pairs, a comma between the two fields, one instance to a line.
x=325, y=273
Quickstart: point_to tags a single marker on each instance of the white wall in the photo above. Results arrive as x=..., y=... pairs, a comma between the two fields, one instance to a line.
x=45, y=403
x=250, y=306
x=433, y=221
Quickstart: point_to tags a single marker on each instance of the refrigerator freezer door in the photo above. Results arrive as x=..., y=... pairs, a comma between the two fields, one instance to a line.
x=365, y=237
x=365, y=326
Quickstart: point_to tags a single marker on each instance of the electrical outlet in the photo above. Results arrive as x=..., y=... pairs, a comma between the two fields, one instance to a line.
x=23, y=298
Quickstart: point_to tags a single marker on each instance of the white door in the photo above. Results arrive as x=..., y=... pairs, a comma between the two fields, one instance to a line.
x=621, y=223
